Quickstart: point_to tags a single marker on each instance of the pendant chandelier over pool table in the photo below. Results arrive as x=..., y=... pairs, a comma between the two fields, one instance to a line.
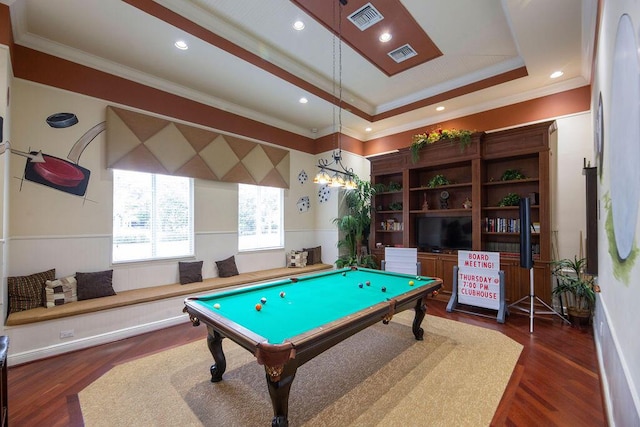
x=332, y=171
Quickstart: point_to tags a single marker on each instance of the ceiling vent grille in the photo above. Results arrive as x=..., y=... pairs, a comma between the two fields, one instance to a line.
x=365, y=17
x=402, y=53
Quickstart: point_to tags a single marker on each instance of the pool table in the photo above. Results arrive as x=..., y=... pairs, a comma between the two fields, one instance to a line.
x=286, y=323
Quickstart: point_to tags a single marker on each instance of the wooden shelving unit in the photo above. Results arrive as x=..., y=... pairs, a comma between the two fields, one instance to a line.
x=474, y=175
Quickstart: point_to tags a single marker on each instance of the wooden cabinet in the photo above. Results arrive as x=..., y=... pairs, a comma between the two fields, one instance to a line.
x=439, y=265
x=473, y=185
x=516, y=278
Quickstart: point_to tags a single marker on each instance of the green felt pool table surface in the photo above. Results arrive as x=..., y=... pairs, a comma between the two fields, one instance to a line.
x=308, y=302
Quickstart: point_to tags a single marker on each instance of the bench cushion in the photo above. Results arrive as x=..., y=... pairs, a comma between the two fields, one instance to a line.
x=154, y=293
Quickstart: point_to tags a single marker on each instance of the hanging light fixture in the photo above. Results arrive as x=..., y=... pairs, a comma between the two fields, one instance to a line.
x=332, y=171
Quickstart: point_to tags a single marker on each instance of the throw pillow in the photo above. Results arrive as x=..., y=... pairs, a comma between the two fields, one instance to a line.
x=27, y=292
x=60, y=291
x=314, y=255
x=190, y=272
x=297, y=259
x=95, y=285
x=227, y=267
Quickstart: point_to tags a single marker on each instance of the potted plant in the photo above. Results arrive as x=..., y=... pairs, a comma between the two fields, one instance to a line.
x=576, y=289
x=437, y=181
x=354, y=226
x=511, y=199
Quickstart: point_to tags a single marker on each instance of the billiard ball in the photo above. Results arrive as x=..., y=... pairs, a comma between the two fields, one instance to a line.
x=418, y=278
x=216, y=306
x=384, y=289
x=410, y=282
x=344, y=274
x=263, y=300
x=360, y=285
x=368, y=283
x=282, y=294
x=258, y=307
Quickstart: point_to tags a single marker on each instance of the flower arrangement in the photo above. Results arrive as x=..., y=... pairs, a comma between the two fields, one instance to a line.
x=420, y=140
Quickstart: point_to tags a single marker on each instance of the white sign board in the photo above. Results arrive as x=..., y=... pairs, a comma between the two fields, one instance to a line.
x=401, y=260
x=478, y=279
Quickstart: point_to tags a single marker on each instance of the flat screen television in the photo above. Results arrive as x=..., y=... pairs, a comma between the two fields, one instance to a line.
x=434, y=234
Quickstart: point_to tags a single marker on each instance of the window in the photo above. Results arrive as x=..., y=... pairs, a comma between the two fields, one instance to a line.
x=152, y=216
x=260, y=223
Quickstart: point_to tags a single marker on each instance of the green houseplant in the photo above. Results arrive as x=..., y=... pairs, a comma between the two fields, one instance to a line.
x=512, y=175
x=354, y=225
x=511, y=199
x=437, y=181
x=576, y=289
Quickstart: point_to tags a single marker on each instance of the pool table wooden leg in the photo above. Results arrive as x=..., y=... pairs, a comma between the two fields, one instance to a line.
x=214, y=342
x=421, y=310
x=279, y=392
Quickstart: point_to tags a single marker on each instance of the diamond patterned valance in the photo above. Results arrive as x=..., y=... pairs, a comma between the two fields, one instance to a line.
x=144, y=143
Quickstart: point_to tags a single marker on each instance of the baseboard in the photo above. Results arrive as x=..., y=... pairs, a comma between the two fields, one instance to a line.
x=57, y=349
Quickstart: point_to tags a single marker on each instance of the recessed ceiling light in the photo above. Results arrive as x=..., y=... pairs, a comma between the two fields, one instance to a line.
x=181, y=44
x=303, y=100
x=556, y=74
x=367, y=129
x=298, y=25
x=385, y=37
x=440, y=108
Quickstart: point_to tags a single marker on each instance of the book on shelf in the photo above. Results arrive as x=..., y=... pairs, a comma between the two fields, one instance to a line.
x=391, y=225
x=501, y=225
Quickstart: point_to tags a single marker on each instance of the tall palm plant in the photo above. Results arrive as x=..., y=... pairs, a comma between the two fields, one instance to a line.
x=355, y=224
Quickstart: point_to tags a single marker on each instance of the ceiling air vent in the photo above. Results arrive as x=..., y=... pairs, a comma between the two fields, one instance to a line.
x=365, y=17
x=402, y=53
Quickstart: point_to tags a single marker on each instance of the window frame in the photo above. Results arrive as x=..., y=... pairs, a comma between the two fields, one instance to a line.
x=190, y=242
x=280, y=244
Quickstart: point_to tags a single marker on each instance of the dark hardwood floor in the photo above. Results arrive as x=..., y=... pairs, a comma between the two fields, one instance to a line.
x=555, y=383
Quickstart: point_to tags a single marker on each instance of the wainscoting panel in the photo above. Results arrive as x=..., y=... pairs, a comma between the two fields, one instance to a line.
x=91, y=253
x=621, y=398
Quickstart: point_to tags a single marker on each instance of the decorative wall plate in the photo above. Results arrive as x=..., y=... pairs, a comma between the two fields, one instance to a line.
x=624, y=137
x=598, y=137
x=303, y=204
x=324, y=193
x=302, y=177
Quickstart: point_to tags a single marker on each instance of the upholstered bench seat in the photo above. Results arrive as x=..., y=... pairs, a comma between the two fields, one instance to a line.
x=154, y=293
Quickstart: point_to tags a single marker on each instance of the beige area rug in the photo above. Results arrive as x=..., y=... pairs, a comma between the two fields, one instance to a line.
x=380, y=376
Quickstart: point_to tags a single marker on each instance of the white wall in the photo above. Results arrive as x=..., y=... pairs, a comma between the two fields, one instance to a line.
x=5, y=88
x=72, y=233
x=575, y=138
x=617, y=321
x=53, y=229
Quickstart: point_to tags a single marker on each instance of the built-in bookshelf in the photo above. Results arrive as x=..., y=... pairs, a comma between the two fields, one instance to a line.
x=483, y=182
